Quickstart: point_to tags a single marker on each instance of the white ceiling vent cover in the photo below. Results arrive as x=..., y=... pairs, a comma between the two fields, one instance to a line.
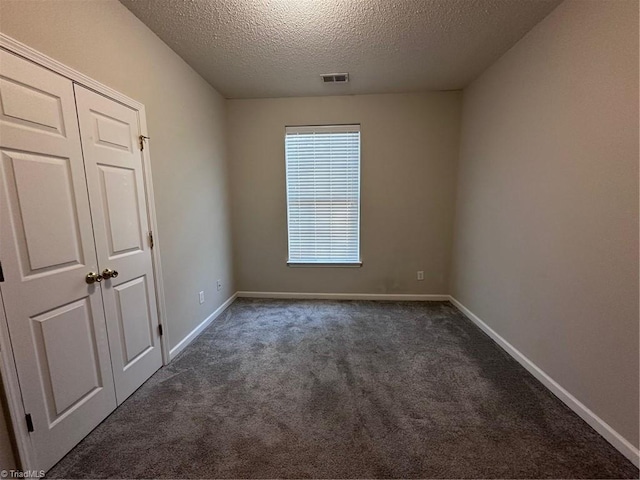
x=335, y=77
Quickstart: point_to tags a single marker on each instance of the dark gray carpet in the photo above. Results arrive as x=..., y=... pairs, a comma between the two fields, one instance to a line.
x=329, y=389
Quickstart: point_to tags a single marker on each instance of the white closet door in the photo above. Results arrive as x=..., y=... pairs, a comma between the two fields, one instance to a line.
x=56, y=320
x=110, y=138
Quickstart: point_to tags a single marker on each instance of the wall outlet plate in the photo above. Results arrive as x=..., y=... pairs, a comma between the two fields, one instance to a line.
x=201, y=297
x=420, y=275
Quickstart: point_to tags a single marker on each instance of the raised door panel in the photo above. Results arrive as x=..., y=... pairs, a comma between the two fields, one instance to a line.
x=134, y=320
x=56, y=321
x=121, y=209
x=115, y=177
x=41, y=199
x=66, y=352
x=112, y=133
x=27, y=106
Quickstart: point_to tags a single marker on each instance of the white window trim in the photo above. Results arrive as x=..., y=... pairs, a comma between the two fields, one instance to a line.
x=324, y=264
x=337, y=128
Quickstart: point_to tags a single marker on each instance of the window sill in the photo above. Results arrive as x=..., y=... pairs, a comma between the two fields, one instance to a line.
x=324, y=265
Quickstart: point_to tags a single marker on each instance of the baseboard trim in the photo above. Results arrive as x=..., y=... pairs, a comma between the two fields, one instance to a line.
x=173, y=353
x=599, y=425
x=344, y=296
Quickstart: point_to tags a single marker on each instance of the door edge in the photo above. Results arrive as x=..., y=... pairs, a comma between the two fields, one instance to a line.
x=9, y=377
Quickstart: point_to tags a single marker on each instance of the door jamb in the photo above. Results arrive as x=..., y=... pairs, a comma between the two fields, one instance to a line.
x=155, y=250
x=7, y=365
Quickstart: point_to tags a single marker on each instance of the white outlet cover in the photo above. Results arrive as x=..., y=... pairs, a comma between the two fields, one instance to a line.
x=201, y=297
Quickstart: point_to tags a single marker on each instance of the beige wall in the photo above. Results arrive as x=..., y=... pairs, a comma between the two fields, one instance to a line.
x=546, y=231
x=186, y=121
x=409, y=145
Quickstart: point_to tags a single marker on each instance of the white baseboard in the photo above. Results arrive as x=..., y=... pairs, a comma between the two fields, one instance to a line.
x=614, y=438
x=345, y=296
x=198, y=330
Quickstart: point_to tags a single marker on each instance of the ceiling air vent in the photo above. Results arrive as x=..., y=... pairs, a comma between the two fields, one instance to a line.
x=335, y=77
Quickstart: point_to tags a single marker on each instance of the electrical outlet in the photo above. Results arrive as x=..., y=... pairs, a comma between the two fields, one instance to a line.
x=420, y=275
x=219, y=285
x=201, y=297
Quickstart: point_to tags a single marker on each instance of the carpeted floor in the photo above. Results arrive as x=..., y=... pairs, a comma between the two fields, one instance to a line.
x=343, y=389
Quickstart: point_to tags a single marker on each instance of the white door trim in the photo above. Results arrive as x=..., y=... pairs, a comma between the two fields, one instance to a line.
x=7, y=366
x=155, y=251
x=43, y=60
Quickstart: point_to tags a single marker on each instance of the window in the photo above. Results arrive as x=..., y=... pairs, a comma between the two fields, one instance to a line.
x=323, y=194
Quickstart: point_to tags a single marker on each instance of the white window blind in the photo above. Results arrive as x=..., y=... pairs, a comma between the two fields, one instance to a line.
x=323, y=194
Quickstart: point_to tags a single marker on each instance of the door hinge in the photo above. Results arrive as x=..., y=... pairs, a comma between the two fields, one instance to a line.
x=151, y=239
x=1, y=273
x=160, y=329
x=29, y=422
x=142, y=139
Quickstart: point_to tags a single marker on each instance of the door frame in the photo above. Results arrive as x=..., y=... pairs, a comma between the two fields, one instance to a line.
x=8, y=373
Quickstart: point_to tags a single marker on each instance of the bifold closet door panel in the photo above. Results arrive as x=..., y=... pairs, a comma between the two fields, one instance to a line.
x=56, y=320
x=115, y=176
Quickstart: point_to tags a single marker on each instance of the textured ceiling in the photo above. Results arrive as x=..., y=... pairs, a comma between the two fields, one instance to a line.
x=278, y=48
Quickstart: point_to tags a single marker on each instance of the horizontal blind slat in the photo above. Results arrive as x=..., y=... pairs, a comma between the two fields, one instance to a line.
x=323, y=193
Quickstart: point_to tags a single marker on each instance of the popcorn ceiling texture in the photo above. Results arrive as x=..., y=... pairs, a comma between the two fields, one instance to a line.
x=278, y=48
